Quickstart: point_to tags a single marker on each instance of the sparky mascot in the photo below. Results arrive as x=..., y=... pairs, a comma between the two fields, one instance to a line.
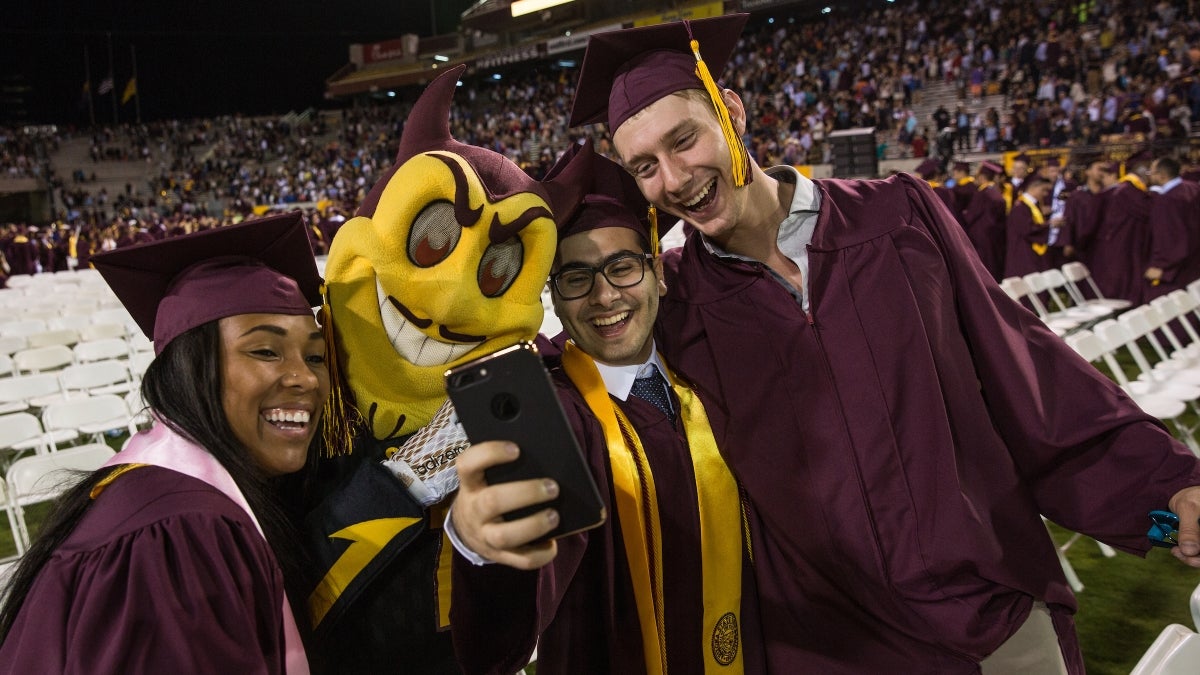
x=444, y=262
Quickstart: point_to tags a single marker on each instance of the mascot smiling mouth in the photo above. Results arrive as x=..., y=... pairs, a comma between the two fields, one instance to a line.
x=406, y=333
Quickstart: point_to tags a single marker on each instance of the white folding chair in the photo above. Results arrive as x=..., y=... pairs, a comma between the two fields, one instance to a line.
x=70, y=319
x=19, y=433
x=102, y=331
x=6, y=364
x=1195, y=604
x=1176, y=651
x=22, y=327
x=11, y=344
x=90, y=416
x=114, y=315
x=46, y=338
x=139, y=414
x=138, y=363
x=41, y=478
x=1100, y=346
x=96, y=378
x=21, y=392
x=138, y=342
x=1076, y=273
x=1021, y=290
x=1056, y=284
x=40, y=359
x=1124, y=333
x=1175, y=367
x=99, y=350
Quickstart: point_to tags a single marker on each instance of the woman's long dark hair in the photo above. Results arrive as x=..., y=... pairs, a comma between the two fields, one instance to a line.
x=182, y=387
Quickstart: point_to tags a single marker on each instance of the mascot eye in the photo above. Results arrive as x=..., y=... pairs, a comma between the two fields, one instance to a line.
x=433, y=235
x=499, y=267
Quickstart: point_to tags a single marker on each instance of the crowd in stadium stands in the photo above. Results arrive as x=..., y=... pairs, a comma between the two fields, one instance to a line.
x=1070, y=73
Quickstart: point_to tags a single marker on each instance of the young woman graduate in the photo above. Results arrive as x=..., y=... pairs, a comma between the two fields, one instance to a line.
x=177, y=555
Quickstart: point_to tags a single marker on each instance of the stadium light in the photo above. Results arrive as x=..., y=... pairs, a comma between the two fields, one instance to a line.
x=827, y=10
x=523, y=7
x=440, y=57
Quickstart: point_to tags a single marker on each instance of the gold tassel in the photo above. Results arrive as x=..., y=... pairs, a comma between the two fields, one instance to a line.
x=652, y=216
x=341, y=418
x=737, y=150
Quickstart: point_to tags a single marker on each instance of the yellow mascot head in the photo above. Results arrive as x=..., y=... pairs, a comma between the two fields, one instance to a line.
x=444, y=262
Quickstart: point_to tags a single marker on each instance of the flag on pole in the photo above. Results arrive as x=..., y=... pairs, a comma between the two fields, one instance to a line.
x=106, y=86
x=130, y=91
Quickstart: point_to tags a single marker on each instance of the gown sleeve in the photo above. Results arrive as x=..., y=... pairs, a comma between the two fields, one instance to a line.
x=1096, y=463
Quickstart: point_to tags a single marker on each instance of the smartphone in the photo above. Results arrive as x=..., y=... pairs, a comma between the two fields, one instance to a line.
x=508, y=396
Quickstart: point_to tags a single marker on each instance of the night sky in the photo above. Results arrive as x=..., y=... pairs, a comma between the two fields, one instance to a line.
x=194, y=59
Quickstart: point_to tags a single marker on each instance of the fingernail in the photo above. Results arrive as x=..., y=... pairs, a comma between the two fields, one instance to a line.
x=510, y=449
x=552, y=517
x=551, y=488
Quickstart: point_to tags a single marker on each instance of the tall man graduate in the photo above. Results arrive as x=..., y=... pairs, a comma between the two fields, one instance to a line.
x=896, y=422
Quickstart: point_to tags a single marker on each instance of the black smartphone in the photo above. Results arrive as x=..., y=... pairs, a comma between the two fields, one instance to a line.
x=508, y=396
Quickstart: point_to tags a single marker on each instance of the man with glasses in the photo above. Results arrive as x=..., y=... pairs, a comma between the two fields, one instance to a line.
x=632, y=595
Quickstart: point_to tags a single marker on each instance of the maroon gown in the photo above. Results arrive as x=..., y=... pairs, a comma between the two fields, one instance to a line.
x=1081, y=219
x=1175, y=238
x=1120, y=248
x=1020, y=257
x=582, y=604
x=892, y=444
x=984, y=222
x=164, y=574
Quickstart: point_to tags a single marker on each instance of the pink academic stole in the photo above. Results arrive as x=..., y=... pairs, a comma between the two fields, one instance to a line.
x=162, y=447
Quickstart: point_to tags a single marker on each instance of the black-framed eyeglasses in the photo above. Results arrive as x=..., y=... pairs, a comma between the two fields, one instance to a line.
x=621, y=271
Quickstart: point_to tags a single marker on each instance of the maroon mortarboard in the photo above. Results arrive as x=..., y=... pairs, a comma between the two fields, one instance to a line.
x=991, y=167
x=171, y=286
x=962, y=166
x=1110, y=167
x=610, y=196
x=1022, y=158
x=624, y=71
x=927, y=169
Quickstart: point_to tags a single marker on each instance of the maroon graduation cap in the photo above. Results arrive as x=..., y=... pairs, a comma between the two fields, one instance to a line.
x=623, y=71
x=610, y=195
x=927, y=169
x=171, y=286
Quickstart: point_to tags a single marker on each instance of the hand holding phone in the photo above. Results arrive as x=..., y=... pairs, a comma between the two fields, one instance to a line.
x=508, y=396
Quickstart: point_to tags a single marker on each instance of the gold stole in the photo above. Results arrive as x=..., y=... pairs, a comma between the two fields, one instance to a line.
x=1134, y=180
x=1038, y=218
x=637, y=507
x=1007, y=191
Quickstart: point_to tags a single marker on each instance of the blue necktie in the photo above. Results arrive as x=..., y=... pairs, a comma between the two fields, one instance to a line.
x=653, y=390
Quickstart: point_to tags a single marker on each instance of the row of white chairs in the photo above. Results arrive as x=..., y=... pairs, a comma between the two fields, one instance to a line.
x=110, y=376
x=39, y=321
x=70, y=421
x=53, y=357
x=1073, y=307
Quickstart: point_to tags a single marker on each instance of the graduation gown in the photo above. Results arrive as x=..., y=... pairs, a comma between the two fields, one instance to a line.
x=892, y=447
x=1120, y=248
x=164, y=574
x=1174, y=238
x=984, y=222
x=1023, y=234
x=582, y=604
x=1081, y=220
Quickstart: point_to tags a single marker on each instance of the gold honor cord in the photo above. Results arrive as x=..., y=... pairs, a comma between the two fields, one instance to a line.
x=720, y=512
x=1038, y=219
